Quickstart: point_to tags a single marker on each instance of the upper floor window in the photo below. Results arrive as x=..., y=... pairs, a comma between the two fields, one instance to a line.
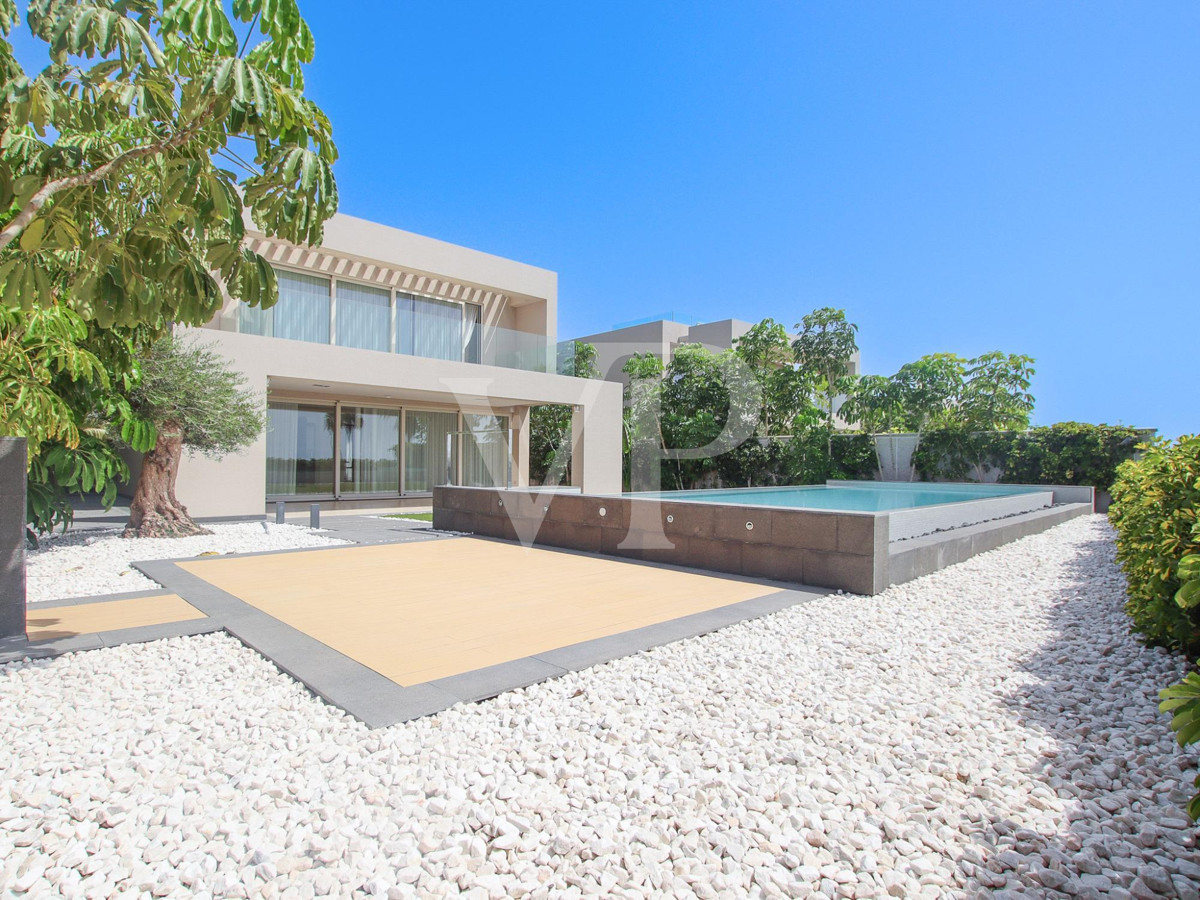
x=364, y=316
x=429, y=328
x=301, y=313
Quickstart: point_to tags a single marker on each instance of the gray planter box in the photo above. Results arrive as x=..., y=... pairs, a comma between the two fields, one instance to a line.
x=12, y=537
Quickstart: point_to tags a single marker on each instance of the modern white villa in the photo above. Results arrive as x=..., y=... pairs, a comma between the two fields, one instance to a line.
x=393, y=362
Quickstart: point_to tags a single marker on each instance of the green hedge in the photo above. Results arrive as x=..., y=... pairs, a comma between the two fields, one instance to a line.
x=1156, y=500
x=1066, y=453
x=1070, y=453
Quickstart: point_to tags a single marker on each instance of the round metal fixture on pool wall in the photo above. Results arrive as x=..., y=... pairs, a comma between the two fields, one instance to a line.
x=501, y=502
x=603, y=512
x=749, y=526
x=670, y=519
x=545, y=509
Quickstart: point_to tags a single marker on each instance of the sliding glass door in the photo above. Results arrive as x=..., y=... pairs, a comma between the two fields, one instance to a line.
x=375, y=456
x=425, y=438
x=370, y=450
x=485, y=450
x=299, y=449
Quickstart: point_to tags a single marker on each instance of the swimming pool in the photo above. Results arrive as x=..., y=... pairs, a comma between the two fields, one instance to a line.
x=858, y=536
x=850, y=496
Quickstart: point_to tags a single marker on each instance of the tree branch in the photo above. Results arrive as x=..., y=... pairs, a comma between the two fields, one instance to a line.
x=34, y=205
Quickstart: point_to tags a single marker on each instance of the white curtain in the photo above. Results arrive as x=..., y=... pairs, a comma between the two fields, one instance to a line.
x=364, y=317
x=429, y=328
x=425, y=462
x=473, y=333
x=370, y=450
x=485, y=450
x=302, y=312
x=255, y=320
x=299, y=449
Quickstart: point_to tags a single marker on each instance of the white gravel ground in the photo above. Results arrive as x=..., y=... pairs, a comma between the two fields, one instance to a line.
x=78, y=564
x=991, y=727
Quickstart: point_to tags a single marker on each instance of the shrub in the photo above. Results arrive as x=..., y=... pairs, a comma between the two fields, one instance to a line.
x=852, y=457
x=1155, y=503
x=1182, y=700
x=1070, y=453
x=952, y=454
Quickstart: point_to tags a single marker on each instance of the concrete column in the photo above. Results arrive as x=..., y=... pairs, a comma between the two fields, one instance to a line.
x=519, y=422
x=596, y=439
x=12, y=537
x=578, y=445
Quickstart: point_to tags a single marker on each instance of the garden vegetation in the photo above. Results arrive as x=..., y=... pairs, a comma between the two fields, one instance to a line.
x=1156, y=512
x=127, y=165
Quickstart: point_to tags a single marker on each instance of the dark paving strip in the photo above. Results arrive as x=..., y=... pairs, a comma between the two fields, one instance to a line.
x=42, y=605
x=16, y=649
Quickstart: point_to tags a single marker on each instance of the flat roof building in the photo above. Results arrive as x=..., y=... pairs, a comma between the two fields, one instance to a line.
x=393, y=362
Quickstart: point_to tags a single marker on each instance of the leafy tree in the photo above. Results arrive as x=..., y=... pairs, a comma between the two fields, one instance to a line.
x=196, y=403
x=995, y=398
x=642, y=433
x=929, y=391
x=126, y=168
x=874, y=405
x=550, y=424
x=786, y=389
x=824, y=348
x=923, y=394
x=996, y=394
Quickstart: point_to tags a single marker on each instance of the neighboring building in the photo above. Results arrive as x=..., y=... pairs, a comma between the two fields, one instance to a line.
x=393, y=362
x=661, y=337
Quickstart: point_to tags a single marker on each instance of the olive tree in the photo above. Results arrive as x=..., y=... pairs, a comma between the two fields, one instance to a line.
x=198, y=404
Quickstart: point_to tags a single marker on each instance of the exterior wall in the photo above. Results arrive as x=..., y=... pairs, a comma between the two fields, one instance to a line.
x=614, y=348
x=236, y=485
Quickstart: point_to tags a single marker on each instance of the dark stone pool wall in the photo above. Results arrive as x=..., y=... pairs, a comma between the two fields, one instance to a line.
x=819, y=548
x=847, y=550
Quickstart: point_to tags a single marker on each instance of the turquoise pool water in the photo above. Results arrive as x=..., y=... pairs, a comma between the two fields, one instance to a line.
x=853, y=496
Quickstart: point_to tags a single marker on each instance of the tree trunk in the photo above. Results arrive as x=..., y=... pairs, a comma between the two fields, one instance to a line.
x=154, y=511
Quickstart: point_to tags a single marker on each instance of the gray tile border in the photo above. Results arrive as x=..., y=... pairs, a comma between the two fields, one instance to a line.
x=602, y=650
x=483, y=684
x=38, y=605
x=379, y=702
x=42, y=649
x=359, y=690
x=143, y=633
x=20, y=648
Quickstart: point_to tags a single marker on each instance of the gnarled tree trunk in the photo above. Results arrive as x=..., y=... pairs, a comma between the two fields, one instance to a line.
x=154, y=511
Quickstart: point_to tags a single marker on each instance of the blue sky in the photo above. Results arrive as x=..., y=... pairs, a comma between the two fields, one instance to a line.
x=1021, y=176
